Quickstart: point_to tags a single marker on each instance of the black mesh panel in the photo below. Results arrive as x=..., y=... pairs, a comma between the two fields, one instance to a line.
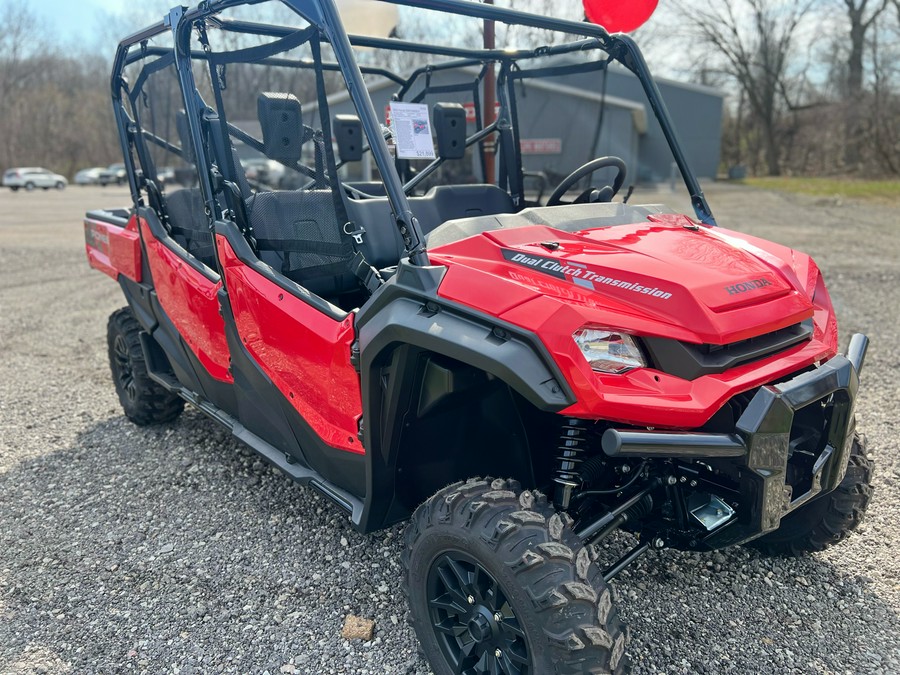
x=189, y=225
x=302, y=231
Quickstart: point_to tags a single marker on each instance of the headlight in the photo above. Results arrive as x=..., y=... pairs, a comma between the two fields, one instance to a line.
x=608, y=350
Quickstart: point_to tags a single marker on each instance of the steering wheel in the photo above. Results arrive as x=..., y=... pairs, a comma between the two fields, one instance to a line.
x=604, y=194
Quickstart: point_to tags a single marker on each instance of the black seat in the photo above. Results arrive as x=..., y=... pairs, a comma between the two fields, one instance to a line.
x=186, y=209
x=382, y=244
x=297, y=233
x=189, y=225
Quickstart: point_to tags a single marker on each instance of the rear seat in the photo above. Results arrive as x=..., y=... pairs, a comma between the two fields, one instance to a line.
x=189, y=225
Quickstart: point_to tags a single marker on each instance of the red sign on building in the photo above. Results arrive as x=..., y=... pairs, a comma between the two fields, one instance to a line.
x=541, y=146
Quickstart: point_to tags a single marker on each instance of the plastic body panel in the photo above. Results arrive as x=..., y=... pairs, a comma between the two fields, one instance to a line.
x=667, y=277
x=112, y=248
x=304, y=352
x=188, y=298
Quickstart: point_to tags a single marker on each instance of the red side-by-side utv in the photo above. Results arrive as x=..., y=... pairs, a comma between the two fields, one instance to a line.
x=382, y=301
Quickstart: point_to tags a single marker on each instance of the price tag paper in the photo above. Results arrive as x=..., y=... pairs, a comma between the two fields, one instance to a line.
x=412, y=130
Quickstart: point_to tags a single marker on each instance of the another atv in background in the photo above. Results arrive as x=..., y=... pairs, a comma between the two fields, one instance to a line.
x=388, y=332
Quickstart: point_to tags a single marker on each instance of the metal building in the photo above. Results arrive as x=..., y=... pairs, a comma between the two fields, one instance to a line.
x=627, y=128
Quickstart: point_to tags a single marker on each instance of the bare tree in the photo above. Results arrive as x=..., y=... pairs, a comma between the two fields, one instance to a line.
x=861, y=15
x=755, y=40
x=20, y=45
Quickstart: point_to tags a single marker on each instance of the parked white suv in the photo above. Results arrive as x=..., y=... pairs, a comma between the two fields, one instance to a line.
x=33, y=177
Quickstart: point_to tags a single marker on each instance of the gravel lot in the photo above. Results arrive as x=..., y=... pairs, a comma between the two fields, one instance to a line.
x=172, y=549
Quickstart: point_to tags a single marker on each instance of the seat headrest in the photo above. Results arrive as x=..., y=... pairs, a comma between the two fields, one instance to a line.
x=281, y=120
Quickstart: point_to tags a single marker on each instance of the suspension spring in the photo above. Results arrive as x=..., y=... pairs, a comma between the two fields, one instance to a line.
x=572, y=442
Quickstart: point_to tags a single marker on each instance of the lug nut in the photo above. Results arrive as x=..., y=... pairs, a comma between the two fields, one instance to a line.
x=693, y=483
x=471, y=600
x=498, y=616
x=671, y=480
x=658, y=542
x=498, y=653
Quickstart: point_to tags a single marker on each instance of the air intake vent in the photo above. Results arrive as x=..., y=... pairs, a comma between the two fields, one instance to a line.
x=690, y=361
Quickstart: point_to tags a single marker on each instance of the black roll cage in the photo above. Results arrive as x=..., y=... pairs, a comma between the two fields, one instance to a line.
x=323, y=15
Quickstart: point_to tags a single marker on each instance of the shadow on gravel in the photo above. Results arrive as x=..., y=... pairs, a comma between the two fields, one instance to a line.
x=148, y=549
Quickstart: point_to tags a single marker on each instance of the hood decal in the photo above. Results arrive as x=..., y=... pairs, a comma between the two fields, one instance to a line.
x=579, y=274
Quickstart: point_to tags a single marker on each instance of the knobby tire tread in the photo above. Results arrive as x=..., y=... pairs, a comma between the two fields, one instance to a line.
x=581, y=629
x=829, y=519
x=152, y=404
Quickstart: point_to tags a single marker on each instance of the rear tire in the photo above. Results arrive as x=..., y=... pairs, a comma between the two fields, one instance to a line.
x=144, y=401
x=498, y=582
x=827, y=520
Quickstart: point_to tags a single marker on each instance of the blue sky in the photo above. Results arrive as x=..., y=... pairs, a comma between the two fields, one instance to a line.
x=70, y=18
x=84, y=21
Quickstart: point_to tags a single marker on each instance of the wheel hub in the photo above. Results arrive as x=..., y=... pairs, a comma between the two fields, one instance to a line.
x=482, y=626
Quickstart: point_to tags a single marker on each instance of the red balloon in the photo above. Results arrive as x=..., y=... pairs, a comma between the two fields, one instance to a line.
x=619, y=16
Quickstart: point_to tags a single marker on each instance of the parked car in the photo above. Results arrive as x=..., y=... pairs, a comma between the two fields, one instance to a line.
x=165, y=175
x=33, y=177
x=97, y=175
x=118, y=172
x=263, y=171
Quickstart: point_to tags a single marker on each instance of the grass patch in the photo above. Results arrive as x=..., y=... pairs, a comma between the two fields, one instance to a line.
x=850, y=188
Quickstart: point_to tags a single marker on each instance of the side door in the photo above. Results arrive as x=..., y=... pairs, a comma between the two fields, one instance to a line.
x=177, y=241
x=291, y=354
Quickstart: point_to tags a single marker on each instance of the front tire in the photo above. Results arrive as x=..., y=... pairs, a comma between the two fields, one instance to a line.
x=144, y=401
x=828, y=519
x=498, y=582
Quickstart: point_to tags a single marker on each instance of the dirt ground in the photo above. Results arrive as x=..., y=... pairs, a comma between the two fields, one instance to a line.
x=172, y=549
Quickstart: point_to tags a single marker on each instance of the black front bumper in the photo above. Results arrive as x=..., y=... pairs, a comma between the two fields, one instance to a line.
x=760, y=448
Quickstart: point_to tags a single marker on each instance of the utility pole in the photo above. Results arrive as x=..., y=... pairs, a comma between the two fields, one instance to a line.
x=490, y=97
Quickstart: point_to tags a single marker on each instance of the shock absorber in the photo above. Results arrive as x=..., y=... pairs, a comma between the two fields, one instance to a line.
x=571, y=447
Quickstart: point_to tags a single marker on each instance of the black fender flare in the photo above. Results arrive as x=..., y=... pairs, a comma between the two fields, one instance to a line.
x=406, y=318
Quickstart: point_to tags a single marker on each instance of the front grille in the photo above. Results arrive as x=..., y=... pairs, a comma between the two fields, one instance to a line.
x=690, y=361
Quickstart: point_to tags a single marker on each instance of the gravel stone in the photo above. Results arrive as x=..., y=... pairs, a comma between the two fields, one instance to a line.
x=173, y=548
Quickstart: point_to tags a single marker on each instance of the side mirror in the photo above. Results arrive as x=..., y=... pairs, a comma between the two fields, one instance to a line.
x=348, y=132
x=450, y=130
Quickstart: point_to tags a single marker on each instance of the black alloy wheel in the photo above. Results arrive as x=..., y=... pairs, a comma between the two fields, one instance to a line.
x=122, y=371
x=499, y=584
x=476, y=627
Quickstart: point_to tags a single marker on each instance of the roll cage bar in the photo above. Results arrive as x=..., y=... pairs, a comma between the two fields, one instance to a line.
x=323, y=15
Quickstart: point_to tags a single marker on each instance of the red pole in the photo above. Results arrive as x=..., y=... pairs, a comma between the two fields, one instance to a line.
x=490, y=97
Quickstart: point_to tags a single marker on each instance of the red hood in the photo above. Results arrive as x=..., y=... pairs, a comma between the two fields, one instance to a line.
x=666, y=277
